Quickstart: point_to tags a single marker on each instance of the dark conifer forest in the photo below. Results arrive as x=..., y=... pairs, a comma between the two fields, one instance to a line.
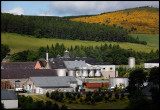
x=56, y=27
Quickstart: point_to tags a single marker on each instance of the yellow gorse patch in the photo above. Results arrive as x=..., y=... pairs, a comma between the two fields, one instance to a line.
x=145, y=22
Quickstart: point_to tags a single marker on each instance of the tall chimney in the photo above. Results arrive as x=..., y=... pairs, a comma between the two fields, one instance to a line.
x=47, y=55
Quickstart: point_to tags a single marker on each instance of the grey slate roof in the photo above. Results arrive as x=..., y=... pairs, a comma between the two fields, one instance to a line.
x=18, y=65
x=26, y=73
x=74, y=64
x=53, y=82
x=101, y=63
x=8, y=94
x=59, y=62
x=153, y=61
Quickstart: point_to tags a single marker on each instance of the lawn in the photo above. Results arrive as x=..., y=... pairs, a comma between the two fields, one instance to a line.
x=19, y=43
x=119, y=104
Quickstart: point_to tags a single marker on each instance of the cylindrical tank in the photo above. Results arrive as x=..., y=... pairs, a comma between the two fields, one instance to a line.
x=131, y=62
x=85, y=72
x=61, y=72
x=72, y=73
x=47, y=55
x=91, y=73
x=98, y=74
x=117, y=81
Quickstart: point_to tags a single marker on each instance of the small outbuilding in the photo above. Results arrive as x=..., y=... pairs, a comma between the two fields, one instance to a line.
x=151, y=63
x=9, y=98
x=41, y=85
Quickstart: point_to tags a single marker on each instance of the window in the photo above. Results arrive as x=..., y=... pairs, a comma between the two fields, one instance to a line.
x=111, y=68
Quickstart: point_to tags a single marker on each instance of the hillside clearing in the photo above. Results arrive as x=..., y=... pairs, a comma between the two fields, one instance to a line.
x=19, y=43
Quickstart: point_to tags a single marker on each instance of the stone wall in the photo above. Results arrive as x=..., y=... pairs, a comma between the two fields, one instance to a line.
x=12, y=82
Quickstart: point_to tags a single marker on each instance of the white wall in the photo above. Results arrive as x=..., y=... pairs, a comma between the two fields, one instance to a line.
x=151, y=65
x=107, y=67
x=10, y=103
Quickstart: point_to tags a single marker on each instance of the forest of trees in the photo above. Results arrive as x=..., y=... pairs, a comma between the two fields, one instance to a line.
x=56, y=27
x=104, y=53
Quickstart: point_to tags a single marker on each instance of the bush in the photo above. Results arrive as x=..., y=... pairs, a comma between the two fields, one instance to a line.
x=55, y=106
x=117, y=96
x=122, y=95
x=2, y=106
x=70, y=102
x=47, y=94
x=139, y=101
x=64, y=106
x=81, y=100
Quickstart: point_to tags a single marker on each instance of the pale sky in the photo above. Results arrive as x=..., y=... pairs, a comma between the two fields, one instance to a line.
x=69, y=8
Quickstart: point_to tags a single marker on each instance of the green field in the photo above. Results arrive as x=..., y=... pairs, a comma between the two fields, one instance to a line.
x=152, y=40
x=99, y=105
x=19, y=43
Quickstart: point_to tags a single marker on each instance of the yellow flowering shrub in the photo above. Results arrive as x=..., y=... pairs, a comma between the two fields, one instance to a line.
x=144, y=22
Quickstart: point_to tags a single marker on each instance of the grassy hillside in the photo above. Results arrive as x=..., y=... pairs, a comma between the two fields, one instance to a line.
x=152, y=40
x=142, y=20
x=19, y=43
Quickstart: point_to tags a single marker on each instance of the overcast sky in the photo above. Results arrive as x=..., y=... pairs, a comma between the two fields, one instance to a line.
x=69, y=8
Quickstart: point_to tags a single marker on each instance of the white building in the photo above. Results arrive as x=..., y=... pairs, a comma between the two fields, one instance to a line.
x=118, y=81
x=41, y=85
x=9, y=98
x=151, y=63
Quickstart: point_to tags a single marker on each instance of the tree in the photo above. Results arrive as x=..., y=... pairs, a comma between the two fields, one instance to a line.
x=154, y=75
x=139, y=101
x=55, y=106
x=64, y=106
x=122, y=95
x=47, y=94
x=136, y=79
x=48, y=104
x=4, y=50
x=2, y=106
x=39, y=104
x=117, y=95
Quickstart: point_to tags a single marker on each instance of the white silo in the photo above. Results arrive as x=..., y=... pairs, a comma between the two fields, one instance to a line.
x=91, y=73
x=85, y=72
x=61, y=72
x=72, y=73
x=131, y=62
x=98, y=74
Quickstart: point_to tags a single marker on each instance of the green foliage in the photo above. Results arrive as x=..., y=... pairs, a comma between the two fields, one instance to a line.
x=64, y=106
x=154, y=75
x=2, y=106
x=133, y=40
x=57, y=96
x=4, y=50
x=122, y=95
x=47, y=94
x=54, y=27
x=136, y=80
x=139, y=101
x=117, y=95
x=104, y=53
x=28, y=103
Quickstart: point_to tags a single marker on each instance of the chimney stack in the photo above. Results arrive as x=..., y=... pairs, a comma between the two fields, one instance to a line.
x=47, y=55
